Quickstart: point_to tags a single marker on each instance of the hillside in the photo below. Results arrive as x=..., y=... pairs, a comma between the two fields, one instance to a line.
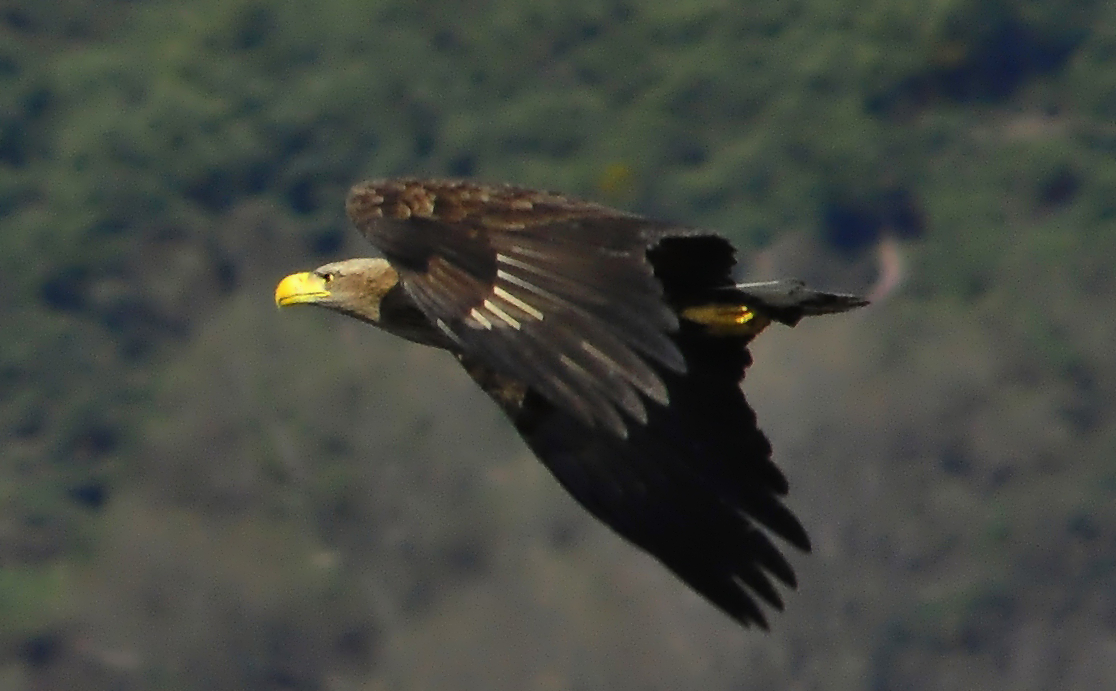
x=198, y=492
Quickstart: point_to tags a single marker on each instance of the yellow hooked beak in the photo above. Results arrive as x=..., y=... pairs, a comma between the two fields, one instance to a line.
x=301, y=287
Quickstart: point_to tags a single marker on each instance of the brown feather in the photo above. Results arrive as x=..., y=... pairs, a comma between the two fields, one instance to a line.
x=616, y=345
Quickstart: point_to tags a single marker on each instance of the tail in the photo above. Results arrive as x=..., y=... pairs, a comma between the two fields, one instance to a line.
x=789, y=300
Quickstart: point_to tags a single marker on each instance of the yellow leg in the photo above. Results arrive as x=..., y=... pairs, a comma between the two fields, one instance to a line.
x=727, y=320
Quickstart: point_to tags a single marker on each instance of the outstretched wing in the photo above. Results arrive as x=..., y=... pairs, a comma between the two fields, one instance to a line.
x=695, y=486
x=553, y=292
x=557, y=309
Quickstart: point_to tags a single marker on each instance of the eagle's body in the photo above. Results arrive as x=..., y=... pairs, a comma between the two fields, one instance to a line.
x=615, y=344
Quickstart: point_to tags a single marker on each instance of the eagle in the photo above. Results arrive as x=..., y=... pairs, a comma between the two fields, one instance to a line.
x=615, y=343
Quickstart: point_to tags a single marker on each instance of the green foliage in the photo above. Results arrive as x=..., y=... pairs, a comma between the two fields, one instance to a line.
x=162, y=163
x=31, y=598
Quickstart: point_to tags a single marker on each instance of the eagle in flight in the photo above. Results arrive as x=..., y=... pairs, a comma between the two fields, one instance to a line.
x=615, y=343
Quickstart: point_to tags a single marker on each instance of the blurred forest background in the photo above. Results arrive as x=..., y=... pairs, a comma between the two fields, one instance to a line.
x=198, y=492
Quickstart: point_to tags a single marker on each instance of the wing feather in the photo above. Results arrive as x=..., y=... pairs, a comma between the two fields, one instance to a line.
x=695, y=486
x=556, y=293
x=563, y=302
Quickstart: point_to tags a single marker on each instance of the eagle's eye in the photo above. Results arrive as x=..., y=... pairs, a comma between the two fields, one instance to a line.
x=328, y=277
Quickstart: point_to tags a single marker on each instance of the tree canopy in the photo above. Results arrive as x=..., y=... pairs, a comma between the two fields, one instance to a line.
x=162, y=163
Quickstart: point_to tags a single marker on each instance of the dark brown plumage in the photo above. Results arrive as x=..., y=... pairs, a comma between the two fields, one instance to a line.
x=615, y=344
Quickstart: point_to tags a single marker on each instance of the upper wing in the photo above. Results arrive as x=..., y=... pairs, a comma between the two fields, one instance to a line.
x=695, y=486
x=553, y=292
x=556, y=308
